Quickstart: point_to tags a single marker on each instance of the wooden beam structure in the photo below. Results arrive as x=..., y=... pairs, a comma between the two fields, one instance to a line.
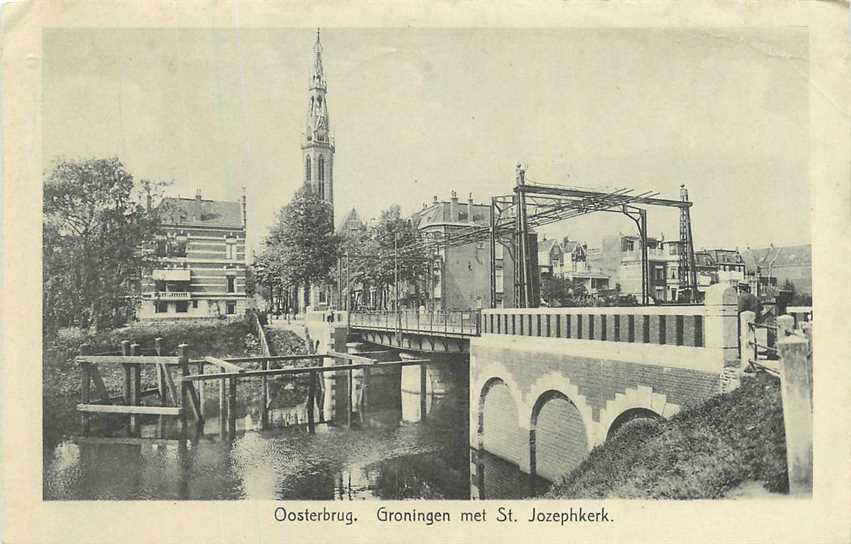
x=133, y=410
x=127, y=359
x=221, y=363
x=292, y=371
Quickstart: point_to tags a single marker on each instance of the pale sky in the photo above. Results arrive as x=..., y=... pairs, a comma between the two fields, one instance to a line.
x=419, y=112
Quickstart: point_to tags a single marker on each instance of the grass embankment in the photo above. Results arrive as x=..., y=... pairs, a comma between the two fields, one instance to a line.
x=703, y=452
x=61, y=378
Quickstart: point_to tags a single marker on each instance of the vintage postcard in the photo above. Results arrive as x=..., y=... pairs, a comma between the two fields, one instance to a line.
x=315, y=272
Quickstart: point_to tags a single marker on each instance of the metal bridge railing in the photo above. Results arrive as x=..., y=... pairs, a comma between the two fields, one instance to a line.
x=453, y=323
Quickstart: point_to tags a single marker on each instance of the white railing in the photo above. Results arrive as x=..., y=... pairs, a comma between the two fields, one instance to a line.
x=172, y=295
x=464, y=323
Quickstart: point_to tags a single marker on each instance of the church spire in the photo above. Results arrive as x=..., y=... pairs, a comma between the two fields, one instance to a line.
x=318, y=80
x=318, y=145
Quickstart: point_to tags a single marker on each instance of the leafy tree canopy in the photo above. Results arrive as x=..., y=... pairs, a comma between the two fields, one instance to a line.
x=301, y=246
x=95, y=231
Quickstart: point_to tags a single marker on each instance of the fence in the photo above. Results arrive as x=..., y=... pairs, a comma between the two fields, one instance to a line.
x=452, y=323
x=675, y=325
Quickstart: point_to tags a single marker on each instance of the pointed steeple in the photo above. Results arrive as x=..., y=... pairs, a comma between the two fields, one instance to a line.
x=318, y=145
x=318, y=79
x=318, y=123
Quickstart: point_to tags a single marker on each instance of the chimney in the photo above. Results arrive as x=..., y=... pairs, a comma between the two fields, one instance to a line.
x=453, y=207
x=197, y=204
x=244, y=209
x=470, y=208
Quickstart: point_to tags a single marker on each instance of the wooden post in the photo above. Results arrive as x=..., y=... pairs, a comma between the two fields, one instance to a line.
x=161, y=386
x=364, y=396
x=128, y=382
x=311, y=403
x=423, y=391
x=135, y=391
x=231, y=407
x=222, y=410
x=85, y=384
x=349, y=399
x=160, y=377
x=125, y=350
x=182, y=353
x=264, y=398
x=202, y=397
x=796, y=384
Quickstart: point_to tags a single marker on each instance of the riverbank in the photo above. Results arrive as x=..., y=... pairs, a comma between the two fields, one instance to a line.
x=706, y=452
x=61, y=376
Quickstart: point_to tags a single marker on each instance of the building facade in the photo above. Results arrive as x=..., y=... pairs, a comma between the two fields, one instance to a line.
x=203, y=268
x=460, y=274
x=551, y=258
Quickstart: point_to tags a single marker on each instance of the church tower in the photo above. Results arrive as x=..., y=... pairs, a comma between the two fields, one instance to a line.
x=318, y=145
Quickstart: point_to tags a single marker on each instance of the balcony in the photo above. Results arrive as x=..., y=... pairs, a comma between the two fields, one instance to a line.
x=171, y=295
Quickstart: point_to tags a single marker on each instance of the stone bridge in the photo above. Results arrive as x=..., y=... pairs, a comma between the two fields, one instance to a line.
x=547, y=385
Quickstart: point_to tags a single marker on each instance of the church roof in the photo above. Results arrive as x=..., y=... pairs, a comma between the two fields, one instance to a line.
x=350, y=221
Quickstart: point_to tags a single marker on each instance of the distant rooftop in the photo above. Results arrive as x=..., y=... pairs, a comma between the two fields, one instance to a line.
x=778, y=256
x=193, y=212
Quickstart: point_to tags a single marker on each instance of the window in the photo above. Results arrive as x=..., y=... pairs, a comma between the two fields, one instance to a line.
x=230, y=308
x=230, y=250
x=171, y=246
x=231, y=284
x=321, y=168
x=194, y=303
x=307, y=168
x=181, y=306
x=630, y=245
x=161, y=307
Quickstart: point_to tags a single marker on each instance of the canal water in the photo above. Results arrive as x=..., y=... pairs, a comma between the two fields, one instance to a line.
x=386, y=459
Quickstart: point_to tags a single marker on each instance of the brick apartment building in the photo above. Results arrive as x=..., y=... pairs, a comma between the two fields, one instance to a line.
x=203, y=261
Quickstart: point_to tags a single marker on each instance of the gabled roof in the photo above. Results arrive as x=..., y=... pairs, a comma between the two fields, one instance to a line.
x=350, y=221
x=704, y=258
x=545, y=246
x=213, y=213
x=570, y=246
x=726, y=256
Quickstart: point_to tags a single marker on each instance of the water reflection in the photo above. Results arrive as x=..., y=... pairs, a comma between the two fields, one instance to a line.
x=501, y=479
x=389, y=462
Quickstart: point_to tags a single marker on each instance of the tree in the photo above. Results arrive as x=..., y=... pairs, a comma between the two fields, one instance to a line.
x=95, y=236
x=301, y=246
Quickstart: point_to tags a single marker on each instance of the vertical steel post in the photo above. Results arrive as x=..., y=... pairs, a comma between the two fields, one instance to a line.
x=493, y=253
x=645, y=264
x=523, y=233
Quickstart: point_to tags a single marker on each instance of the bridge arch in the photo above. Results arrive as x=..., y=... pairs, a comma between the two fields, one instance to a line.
x=640, y=401
x=630, y=416
x=558, y=436
x=498, y=429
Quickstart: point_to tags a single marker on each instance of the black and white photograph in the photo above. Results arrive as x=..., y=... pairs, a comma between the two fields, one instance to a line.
x=310, y=261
